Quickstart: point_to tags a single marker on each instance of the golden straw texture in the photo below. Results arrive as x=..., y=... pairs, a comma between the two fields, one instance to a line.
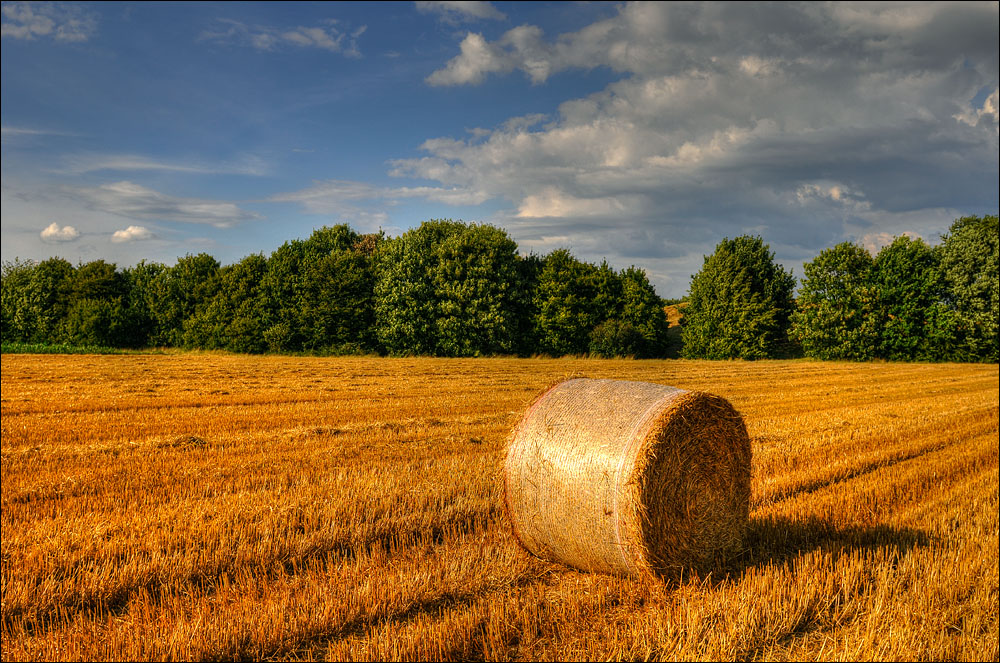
x=629, y=478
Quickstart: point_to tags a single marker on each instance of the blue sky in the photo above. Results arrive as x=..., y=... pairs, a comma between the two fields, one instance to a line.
x=642, y=133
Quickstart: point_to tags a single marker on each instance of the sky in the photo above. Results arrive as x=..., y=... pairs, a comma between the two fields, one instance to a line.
x=639, y=133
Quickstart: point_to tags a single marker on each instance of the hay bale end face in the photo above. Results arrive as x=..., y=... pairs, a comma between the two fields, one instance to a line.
x=629, y=478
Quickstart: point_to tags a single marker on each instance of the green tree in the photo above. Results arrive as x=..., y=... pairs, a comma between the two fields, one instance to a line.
x=837, y=315
x=100, y=322
x=478, y=292
x=98, y=280
x=969, y=266
x=99, y=311
x=609, y=291
x=139, y=284
x=336, y=291
x=232, y=320
x=177, y=294
x=318, y=293
x=449, y=288
x=642, y=308
x=281, y=302
x=738, y=304
x=568, y=305
x=908, y=289
x=48, y=299
x=529, y=270
x=406, y=306
x=616, y=338
x=18, y=317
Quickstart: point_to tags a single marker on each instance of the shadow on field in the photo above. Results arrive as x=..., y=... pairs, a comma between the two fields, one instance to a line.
x=780, y=540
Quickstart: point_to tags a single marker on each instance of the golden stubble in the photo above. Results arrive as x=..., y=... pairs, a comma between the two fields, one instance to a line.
x=229, y=507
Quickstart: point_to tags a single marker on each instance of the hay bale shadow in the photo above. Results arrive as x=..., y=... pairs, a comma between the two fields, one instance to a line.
x=780, y=540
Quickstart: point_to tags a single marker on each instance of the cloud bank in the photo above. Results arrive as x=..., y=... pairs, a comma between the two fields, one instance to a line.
x=805, y=123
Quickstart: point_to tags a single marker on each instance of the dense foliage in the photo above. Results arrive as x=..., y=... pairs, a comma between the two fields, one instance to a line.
x=911, y=302
x=835, y=318
x=969, y=267
x=739, y=303
x=450, y=288
x=444, y=288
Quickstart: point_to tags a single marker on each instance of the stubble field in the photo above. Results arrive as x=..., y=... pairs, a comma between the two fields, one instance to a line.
x=217, y=507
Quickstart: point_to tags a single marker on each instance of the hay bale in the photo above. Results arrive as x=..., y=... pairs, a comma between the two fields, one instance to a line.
x=628, y=477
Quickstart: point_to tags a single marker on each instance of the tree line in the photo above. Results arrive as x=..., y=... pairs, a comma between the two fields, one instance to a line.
x=911, y=302
x=444, y=288
x=450, y=288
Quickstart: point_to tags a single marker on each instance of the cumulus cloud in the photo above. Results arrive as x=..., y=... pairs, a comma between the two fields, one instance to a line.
x=56, y=20
x=657, y=39
x=54, y=233
x=134, y=201
x=453, y=12
x=834, y=123
x=329, y=37
x=478, y=59
x=132, y=234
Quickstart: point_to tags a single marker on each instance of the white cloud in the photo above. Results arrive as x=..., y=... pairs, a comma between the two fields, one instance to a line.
x=453, y=12
x=990, y=112
x=838, y=124
x=22, y=135
x=80, y=164
x=132, y=234
x=134, y=201
x=329, y=37
x=21, y=131
x=551, y=202
x=60, y=21
x=54, y=233
x=658, y=38
x=30, y=204
x=477, y=59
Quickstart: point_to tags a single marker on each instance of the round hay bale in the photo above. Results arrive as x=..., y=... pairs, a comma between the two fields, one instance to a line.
x=629, y=478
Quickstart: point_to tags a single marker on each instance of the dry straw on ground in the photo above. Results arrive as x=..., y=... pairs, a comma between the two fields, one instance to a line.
x=629, y=477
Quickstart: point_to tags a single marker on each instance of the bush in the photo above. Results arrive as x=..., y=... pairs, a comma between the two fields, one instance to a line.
x=614, y=338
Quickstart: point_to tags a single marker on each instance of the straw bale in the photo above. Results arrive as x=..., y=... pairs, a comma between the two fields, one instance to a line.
x=629, y=478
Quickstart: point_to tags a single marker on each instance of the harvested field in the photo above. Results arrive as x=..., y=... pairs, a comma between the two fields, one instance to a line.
x=228, y=507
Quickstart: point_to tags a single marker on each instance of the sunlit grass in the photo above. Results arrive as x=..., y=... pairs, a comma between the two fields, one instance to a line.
x=227, y=507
